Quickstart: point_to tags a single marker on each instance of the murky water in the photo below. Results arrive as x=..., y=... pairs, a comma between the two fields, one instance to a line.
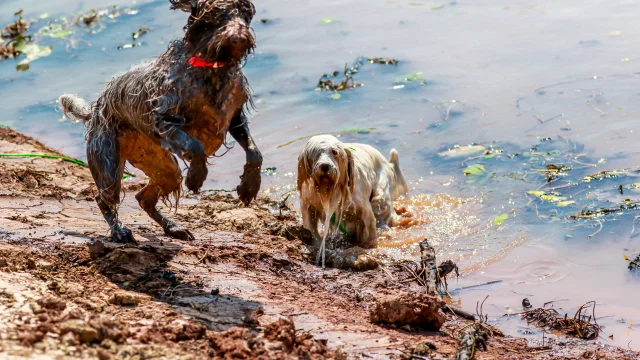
x=534, y=83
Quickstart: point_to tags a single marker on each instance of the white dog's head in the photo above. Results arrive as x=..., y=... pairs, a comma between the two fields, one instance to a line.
x=328, y=164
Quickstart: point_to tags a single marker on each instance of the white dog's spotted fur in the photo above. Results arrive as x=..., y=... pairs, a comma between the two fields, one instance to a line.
x=354, y=181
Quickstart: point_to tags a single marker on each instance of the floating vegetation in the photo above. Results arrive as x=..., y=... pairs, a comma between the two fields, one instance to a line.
x=581, y=325
x=15, y=42
x=634, y=265
x=135, y=36
x=595, y=213
x=327, y=83
x=552, y=171
x=462, y=151
x=357, y=130
x=269, y=171
x=500, y=219
x=382, y=61
x=328, y=20
x=606, y=174
x=16, y=29
x=92, y=19
x=412, y=78
x=475, y=169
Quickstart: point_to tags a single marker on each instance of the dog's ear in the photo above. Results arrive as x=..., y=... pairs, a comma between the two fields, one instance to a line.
x=351, y=185
x=303, y=173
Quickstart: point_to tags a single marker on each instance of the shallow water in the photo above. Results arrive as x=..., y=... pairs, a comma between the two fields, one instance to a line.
x=550, y=81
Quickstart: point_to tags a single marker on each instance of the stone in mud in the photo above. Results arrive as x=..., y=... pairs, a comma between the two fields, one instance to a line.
x=182, y=330
x=96, y=249
x=125, y=299
x=418, y=310
x=3, y=262
x=51, y=303
x=85, y=333
x=354, y=258
x=282, y=330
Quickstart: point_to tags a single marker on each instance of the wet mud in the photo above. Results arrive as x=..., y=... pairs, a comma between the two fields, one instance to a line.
x=247, y=286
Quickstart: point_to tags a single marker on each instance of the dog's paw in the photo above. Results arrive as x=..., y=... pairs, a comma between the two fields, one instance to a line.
x=178, y=232
x=196, y=176
x=249, y=183
x=123, y=236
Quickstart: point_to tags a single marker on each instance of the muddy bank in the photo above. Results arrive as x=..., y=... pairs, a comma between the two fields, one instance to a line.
x=244, y=289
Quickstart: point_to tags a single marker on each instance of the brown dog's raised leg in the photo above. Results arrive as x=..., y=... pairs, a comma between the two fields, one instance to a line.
x=106, y=165
x=165, y=179
x=250, y=179
x=174, y=138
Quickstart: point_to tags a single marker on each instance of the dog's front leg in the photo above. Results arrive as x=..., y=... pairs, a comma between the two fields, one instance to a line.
x=169, y=129
x=250, y=179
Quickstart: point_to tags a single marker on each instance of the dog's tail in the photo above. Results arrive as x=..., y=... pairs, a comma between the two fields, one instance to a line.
x=401, y=187
x=75, y=108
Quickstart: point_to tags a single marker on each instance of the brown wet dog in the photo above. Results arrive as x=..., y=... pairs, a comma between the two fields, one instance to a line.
x=183, y=103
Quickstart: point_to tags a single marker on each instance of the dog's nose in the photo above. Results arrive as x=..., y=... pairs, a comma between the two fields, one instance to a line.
x=239, y=40
x=325, y=167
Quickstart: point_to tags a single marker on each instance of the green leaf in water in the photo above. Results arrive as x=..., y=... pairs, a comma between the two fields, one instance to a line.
x=459, y=151
x=31, y=52
x=500, y=219
x=44, y=16
x=328, y=20
x=475, y=169
x=357, y=130
x=413, y=77
x=553, y=198
x=438, y=7
x=538, y=193
x=335, y=96
x=6, y=123
x=565, y=203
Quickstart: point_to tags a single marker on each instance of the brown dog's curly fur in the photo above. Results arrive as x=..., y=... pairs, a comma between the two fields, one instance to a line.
x=168, y=107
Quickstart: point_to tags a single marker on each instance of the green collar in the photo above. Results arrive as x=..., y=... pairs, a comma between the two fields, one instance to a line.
x=340, y=227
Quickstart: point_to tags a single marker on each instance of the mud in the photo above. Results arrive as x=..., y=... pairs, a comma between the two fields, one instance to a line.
x=245, y=288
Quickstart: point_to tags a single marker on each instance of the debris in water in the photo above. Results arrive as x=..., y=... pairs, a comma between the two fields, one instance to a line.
x=460, y=151
x=581, y=325
x=606, y=174
x=326, y=82
x=383, y=61
x=412, y=78
x=634, y=264
x=18, y=28
x=526, y=304
x=475, y=169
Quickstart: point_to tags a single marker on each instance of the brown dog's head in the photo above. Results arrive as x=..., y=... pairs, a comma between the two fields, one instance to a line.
x=218, y=30
x=328, y=164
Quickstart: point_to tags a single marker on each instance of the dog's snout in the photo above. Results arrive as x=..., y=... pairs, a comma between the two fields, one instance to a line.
x=239, y=40
x=325, y=167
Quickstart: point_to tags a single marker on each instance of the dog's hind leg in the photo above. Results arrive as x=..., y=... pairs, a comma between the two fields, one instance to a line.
x=106, y=165
x=165, y=179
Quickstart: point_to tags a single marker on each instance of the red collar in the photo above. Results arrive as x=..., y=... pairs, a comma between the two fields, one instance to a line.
x=199, y=62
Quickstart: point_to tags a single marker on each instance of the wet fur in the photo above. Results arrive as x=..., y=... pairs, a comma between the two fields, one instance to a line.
x=166, y=108
x=358, y=182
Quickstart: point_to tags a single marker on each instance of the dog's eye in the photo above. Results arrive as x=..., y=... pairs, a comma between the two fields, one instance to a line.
x=335, y=152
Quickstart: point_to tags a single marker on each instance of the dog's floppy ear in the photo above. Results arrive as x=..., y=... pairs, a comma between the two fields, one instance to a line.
x=303, y=174
x=351, y=185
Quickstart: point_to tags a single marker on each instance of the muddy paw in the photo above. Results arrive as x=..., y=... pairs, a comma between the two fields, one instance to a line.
x=196, y=176
x=178, y=232
x=250, y=183
x=123, y=236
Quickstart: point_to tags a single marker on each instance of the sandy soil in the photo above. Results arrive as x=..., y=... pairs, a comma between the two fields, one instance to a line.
x=245, y=289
